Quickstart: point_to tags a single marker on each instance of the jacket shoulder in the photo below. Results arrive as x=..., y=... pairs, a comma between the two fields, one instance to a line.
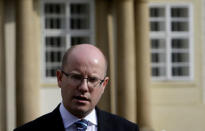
x=114, y=122
x=35, y=124
x=50, y=121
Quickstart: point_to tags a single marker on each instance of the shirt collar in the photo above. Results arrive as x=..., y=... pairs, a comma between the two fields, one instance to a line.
x=69, y=119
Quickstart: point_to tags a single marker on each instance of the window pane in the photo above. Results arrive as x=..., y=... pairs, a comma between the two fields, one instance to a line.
x=55, y=41
x=157, y=26
x=55, y=47
x=180, y=26
x=54, y=16
x=158, y=57
x=78, y=8
x=158, y=50
x=178, y=43
x=55, y=23
x=157, y=71
x=179, y=12
x=54, y=8
x=79, y=16
x=51, y=72
x=180, y=71
x=180, y=57
x=158, y=44
x=79, y=23
x=157, y=12
x=79, y=40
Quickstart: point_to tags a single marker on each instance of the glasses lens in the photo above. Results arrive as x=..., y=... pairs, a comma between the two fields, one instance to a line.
x=93, y=81
x=76, y=78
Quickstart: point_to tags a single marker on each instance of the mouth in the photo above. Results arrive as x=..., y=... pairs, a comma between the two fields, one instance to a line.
x=81, y=99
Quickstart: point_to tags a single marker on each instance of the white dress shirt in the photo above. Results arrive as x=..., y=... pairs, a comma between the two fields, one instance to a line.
x=69, y=119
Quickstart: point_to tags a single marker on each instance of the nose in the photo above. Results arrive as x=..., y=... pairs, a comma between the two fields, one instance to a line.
x=83, y=87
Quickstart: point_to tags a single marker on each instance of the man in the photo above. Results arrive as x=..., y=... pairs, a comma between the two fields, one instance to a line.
x=82, y=79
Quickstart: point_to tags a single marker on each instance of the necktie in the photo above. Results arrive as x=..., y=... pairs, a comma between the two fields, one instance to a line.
x=81, y=125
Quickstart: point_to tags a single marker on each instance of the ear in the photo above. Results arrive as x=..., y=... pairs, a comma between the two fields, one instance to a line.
x=59, y=78
x=105, y=82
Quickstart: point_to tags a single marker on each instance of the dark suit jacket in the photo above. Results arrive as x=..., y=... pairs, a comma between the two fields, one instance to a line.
x=53, y=122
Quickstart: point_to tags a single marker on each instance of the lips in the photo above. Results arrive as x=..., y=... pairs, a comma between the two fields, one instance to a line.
x=81, y=98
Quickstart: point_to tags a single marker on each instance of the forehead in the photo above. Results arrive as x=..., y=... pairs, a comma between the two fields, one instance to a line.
x=86, y=57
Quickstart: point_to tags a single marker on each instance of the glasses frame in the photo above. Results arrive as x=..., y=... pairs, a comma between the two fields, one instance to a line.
x=69, y=74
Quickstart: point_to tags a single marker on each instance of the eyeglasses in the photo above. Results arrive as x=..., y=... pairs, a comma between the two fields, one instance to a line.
x=76, y=79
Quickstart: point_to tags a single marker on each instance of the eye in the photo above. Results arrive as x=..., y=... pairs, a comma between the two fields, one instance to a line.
x=93, y=79
x=76, y=77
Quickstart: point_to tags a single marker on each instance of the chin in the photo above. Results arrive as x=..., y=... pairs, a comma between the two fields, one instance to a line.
x=81, y=111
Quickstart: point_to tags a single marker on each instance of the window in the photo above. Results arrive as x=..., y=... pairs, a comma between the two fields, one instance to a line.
x=64, y=23
x=171, y=41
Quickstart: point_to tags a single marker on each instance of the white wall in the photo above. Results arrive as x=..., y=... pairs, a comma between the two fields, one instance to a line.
x=50, y=98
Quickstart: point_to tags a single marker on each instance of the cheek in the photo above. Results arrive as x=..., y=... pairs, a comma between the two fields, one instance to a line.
x=66, y=91
x=96, y=96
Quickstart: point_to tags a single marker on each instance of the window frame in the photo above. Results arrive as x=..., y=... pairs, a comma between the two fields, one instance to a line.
x=169, y=35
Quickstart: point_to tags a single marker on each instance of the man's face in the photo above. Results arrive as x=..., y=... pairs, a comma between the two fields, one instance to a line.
x=81, y=99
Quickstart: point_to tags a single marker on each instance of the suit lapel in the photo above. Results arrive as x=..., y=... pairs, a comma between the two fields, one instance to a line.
x=102, y=121
x=56, y=122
